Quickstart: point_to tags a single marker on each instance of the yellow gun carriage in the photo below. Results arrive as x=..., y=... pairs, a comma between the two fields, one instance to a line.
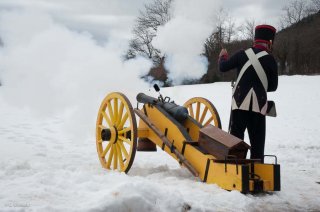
x=191, y=134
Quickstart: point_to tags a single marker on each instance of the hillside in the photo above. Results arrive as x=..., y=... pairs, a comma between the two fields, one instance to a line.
x=297, y=48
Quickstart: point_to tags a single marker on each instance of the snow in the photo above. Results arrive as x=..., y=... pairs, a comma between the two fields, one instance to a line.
x=45, y=167
x=54, y=75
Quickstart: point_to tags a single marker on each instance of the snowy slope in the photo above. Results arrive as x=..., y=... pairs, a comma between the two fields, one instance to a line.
x=43, y=167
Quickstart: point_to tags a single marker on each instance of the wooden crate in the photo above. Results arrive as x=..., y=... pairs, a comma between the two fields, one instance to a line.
x=221, y=144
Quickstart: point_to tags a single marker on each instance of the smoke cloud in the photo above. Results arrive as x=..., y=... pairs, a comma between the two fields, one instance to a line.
x=51, y=70
x=182, y=38
x=52, y=66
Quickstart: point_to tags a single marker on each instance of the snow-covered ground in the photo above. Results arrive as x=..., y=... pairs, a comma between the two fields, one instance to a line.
x=43, y=167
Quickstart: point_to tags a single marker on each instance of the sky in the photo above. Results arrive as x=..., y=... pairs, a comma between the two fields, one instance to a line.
x=72, y=50
x=99, y=16
x=95, y=16
x=263, y=11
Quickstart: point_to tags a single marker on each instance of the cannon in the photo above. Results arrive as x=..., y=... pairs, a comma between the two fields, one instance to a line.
x=191, y=134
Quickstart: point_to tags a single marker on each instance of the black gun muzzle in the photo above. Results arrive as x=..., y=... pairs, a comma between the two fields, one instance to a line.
x=178, y=112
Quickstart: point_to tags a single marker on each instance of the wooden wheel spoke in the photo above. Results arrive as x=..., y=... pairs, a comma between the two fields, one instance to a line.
x=123, y=121
x=115, y=157
x=120, y=114
x=102, y=127
x=110, y=157
x=105, y=116
x=110, y=112
x=124, y=130
x=125, y=140
x=204, y=109
x=198, y=111
x=115, y=110
x=123, y=149
x=105, y=151
x=120, y=156
x=209, y=120
x=204, y=113
x=191, y=110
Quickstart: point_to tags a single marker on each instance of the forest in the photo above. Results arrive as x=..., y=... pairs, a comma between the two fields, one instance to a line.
x=296, y=46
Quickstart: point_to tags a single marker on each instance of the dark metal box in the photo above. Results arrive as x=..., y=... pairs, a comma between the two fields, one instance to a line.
x=221, y=144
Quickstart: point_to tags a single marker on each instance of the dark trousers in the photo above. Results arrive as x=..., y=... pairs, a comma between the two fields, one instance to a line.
x=255, y=123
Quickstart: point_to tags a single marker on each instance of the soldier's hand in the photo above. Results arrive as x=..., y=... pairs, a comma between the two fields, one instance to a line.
x=223, y=52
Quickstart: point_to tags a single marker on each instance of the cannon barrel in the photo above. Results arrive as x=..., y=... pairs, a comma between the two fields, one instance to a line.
x=178, y=112
x=143, y=98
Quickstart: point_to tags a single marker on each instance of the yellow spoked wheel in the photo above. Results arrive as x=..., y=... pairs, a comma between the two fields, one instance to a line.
x=203, y=111
x=116, y=133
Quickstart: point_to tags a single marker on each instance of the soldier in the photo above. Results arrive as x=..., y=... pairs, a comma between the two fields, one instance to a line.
x=256, y=75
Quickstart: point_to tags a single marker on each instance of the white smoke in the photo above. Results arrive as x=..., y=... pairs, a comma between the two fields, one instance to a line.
x=50, y=69
x=183, y=37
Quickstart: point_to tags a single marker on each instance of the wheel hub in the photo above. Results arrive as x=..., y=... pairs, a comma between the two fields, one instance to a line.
x=110, y=134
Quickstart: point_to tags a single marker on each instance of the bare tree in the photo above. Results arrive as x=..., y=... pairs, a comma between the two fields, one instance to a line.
x=294, y=11
x=154, y=15
x=316, y=3
x=230, y=28
x=222, y=36
x=223, y=33
x=220, y=31
x=210, y=45
x=141, y=44
x=314, y=6
x=247, y=29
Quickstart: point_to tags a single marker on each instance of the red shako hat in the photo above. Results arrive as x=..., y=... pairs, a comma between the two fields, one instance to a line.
x=264, y=33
